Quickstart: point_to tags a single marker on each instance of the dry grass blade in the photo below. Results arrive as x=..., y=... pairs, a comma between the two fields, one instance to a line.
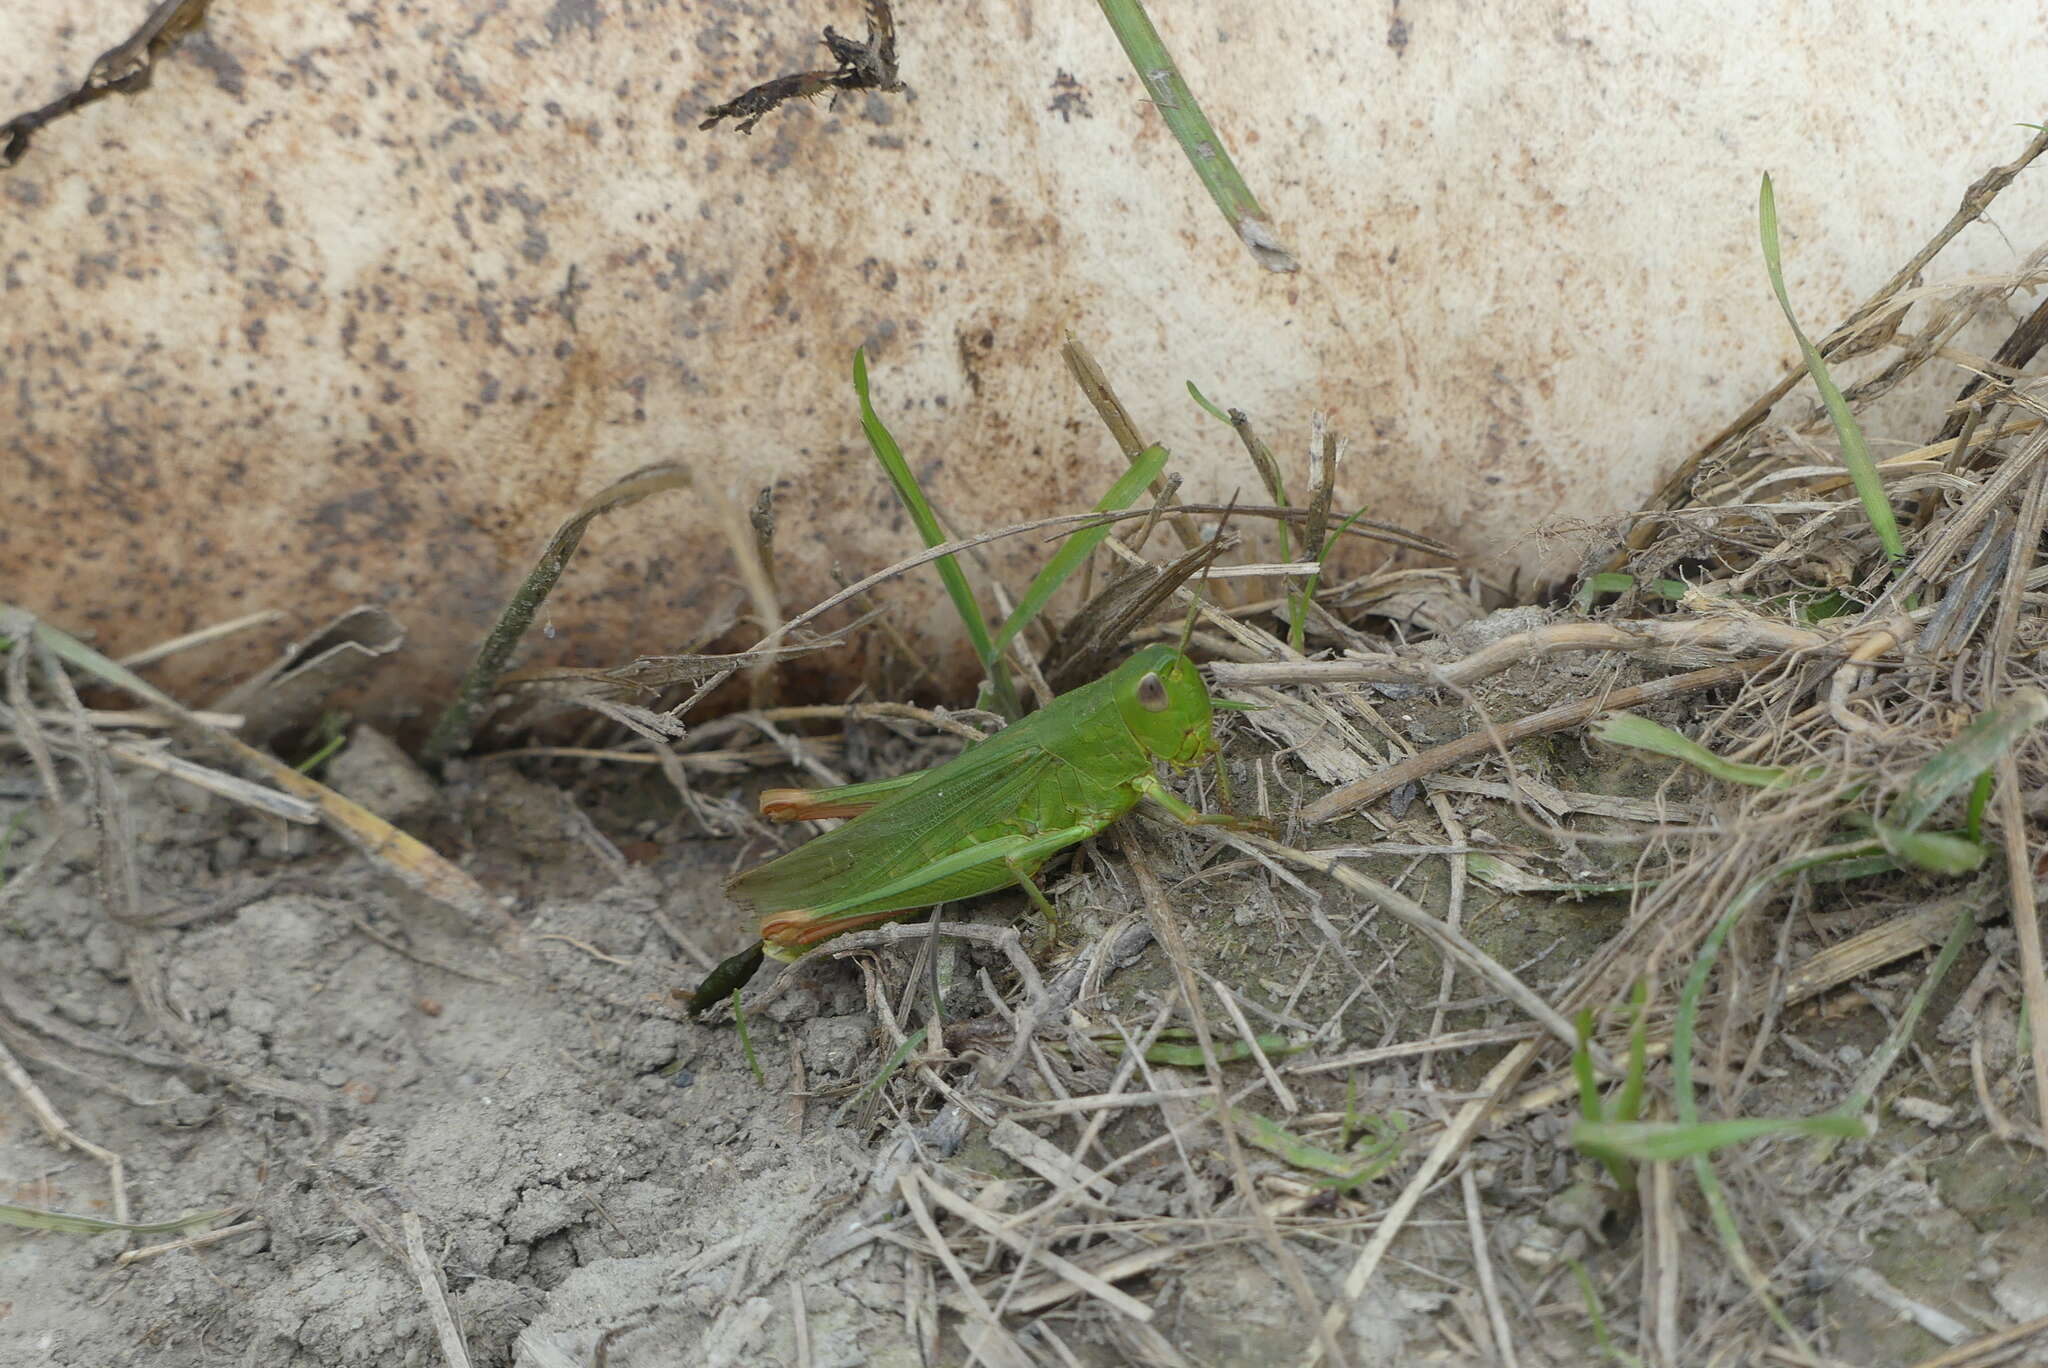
x=458, y=722
x=428, y=1275
x=1453, y=944
x=1094, y=633
x=1551, y=719
x=994, y=1345
x=1166, y=930
x=1660, y=641
x=59, y=1130
x=1976, y=200
x=1079, y=1279
x=123, y=69
x=404, y=856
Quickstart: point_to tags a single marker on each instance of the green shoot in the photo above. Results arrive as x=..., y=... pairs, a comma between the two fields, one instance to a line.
x=739, y=1020
x=1882, y=1059
x=1648, y=1142
x=883, y=444
x=1599, y=1319
x=1620, y=582
x=1980, y=798
x=1855, y=455
x=1627, y=1107
x=1200, y=398
x=1341, y=1172
x=1181, y=1054
x=1191, y=129
x=1143, y=469
x=897, y=1058
x=1639, y=733
x=1297, y=626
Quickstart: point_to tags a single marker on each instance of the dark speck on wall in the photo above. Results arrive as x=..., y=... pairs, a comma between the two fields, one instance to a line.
x=1069, y=98
x=568, y=14
x=218, y=61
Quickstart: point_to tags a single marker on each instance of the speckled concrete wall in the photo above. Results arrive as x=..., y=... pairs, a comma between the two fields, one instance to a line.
x=357, y=299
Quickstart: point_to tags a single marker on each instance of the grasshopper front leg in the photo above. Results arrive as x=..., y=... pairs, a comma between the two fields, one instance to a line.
x=1149, y=786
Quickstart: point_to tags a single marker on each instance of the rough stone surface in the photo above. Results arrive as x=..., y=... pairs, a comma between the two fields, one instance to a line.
x=355, y=303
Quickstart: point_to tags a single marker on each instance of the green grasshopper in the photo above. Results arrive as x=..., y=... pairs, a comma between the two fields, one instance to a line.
x=984, y=820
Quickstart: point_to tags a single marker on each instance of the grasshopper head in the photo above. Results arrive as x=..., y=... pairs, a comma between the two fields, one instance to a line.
x=1162, y=699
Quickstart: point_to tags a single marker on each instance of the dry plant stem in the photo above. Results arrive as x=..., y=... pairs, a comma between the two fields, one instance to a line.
x=458, y=722
x=1450, y=943
x=999, y=1350
x=2033, y=513
x=1102, y=398
x=1166, y=930
x=744, y=536
x=1663, y=1258
x=27, y=729
x=2026, y=920
x=1377, y=786
x=429, y=1278
x=199, y=1241
x=203, y=637
x=1281, y=1092
x=59, y=1130
x=122, y=69
x=2019, y=348
x=1456, y=1135
x=1324, y=449
x=1672, y=641
x=1361, y=527
x=1482, y=1263
x=1028, y=1252
x=1978, y=1351
x=1976, y=200
x=413, y=862
x=1936, y=554
x=842, y=712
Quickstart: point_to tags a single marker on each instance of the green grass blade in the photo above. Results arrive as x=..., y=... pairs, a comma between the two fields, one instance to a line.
x=1598, y=1317
x=1620, y=582
x=1855, y=455
x=1976, y=749
x=1629, y=1105
x=1582, y=1070
x=1144, y=469
x=895, y=1061
x=1214, y=412
x=1649, y=1142
x=1341, y=1171
x=1682, y=1029
x=739, y=1021
x=883, y=444
x=1937, y=852
x=1297, y=629
x=1191, y=129
x=1882, y=1059
x=1640, y=733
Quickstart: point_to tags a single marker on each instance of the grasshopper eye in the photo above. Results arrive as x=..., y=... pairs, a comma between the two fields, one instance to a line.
x=1152, y=693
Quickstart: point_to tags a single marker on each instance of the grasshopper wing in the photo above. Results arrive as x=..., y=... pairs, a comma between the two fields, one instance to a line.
x=905, y=832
